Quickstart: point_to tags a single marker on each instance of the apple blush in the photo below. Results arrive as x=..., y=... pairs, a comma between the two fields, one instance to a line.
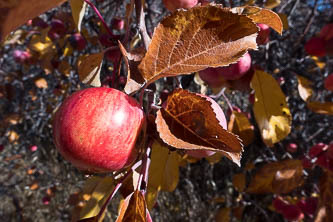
x=98, y=129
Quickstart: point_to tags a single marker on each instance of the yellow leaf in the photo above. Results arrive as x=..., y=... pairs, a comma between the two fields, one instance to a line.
x=164, y=168
x=321, y=107
x=240, y=125
x=18, y=12
x=98, y=197
x=304, y=88
x=319, y=63
x=89, y=69
x=215, y=158
x=270, y=108
x=78, y=10
x=270, y=4
x=42, y=43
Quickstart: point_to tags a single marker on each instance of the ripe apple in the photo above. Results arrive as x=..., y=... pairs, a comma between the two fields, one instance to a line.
x=327, y=32
x=22, y=57
x=221, y=118
x=212, y=77
x=328, y=83
x=77, y=41
x=58, y=29
x=117, y=23
x=97, y=129
x=279, y=204
x=315, y=46
x=263, y=34
x=308, y=206
x=292, y=213
x=292, y=147
x=173, y=5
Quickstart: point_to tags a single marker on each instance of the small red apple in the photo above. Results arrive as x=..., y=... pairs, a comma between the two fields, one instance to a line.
x=22, y=57
x=263, y=34
x=328, y=82
x=317, y=149
x=212, y=77
x=77, y=41
x=221, y=118
x=315, y=46
x=173, y=5
x=292, y=147
x=279, y=204
x=292, y=213
x=327, y=32
x=308, y=206
x=117, y=23
x=237, y=70
x=96, y=129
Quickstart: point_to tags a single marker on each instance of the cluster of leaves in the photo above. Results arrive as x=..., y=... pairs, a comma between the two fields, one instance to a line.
x=184, y=42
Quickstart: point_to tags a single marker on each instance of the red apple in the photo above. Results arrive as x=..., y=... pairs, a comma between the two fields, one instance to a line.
x=117, y=23
x=96, y=129
x=327, y=32
x=292, y=147
x=328, y=83
x=237, y=70
x=263, y=34
x=279, y=204
x=22, y=57
x=316, y=47
x=77, y=41
x=292, y=213
x=221, y=118
x=173, y=5
x=317, y=149
x=212, y=77
x=308, y=206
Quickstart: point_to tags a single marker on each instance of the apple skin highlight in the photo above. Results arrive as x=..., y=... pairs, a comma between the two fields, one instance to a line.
x=96, y=129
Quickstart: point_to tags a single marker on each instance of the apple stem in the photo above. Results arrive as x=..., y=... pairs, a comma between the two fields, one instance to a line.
x=221, y=93
x=99, y=16
x=117, y=187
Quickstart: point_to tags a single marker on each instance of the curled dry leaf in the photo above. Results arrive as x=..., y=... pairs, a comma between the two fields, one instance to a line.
x=278, y=177
x=78, y=9
x=270, y=108
x=89, y=68
x=304, y=88
x=192, y=40
x=261, y=15
x=188, y=121
x=321, y=107
x=240, y=125
x=16, y=13
x=132, y=60
x=133, y=208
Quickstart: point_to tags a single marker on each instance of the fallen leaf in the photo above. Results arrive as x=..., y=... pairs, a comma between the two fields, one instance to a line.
x=321, y=107
x=304, y=88
x=277, y=177
x=270, y=4
x=325, y=197
x=89, y=69
x=16, y=13
x=78, y=9
x=136, y=209
x=270, y=108
x=223, y=215
x=284, y=20
x=261, y=15
x=240, y=125
x=188, y=121
x=239, y=181
x=41, y=83
x=195, y=39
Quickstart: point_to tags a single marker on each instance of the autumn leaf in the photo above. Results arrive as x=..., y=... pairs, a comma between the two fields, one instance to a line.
x=192, y=40
x=132, y=60
x=239, y=181
x=270, y=4
x=261, y=15
x=304, y=88
x=16, y=13
x=240, y=125
x=277, y=177
x=133, y=208
x=78, y=9
x=223, y=215
x=41, y=83
x=270, y=108
x=89, y=69
x=164, y=168
x=188, y=121
x=325, y=213
x=321, y=107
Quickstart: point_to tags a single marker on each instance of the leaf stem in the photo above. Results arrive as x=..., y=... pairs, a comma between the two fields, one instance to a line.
x=99, y=16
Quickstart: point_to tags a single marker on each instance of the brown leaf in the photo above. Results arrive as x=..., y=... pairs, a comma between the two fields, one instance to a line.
x=278, y=177
x=304, y=88
x=89, y=69
x=261, y=15
x=192, y=40
x=321, y=107
x=223, y=215
x=78, y=9
x=239, y=181
x=133, y=208
x=132, y=60
x=15, y=13
x=188, y=121
x=240, y=125
x=326, y=197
